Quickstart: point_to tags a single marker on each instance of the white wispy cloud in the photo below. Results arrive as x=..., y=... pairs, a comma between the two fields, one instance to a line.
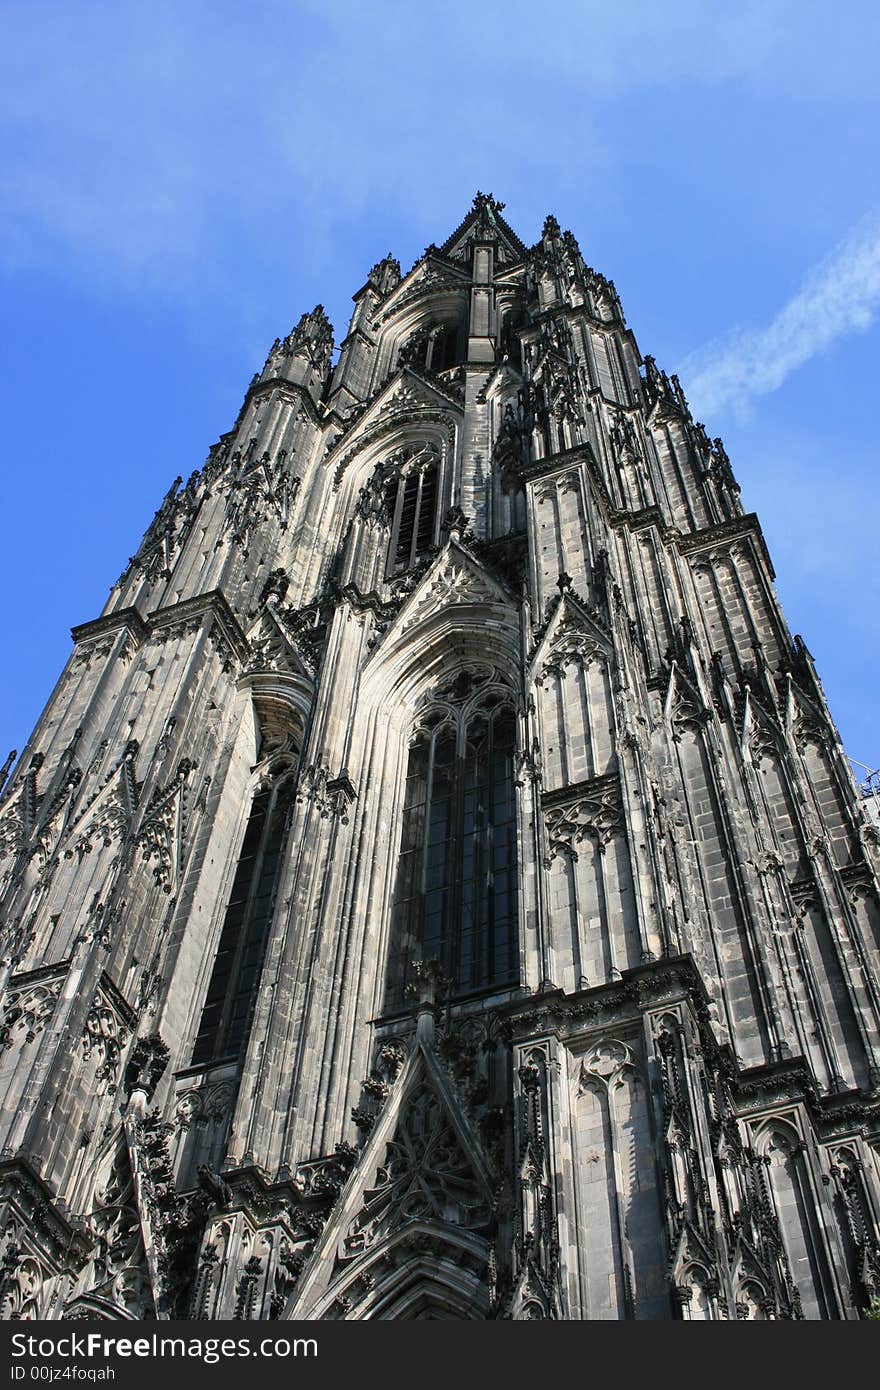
x=840, y=296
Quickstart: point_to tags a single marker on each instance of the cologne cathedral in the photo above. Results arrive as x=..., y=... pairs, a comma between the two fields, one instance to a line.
x=435, y=887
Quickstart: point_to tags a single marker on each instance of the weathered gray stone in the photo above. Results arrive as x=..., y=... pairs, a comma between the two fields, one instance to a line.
x=484, y=537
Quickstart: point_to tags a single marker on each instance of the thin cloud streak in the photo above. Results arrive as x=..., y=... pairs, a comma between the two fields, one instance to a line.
x=838, y=297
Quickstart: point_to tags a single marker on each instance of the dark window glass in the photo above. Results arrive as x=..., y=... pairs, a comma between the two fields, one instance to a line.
x=411, y=499
x=443, y=349
x=409, y=509
x=510, y=344
x=424, y=530
x=455, y=891
x=226, y=1016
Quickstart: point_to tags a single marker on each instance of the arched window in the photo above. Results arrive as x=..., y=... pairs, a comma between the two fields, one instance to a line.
x=455, y=892
x=509, y=344
x=436, y=348
x=411, y=501
x=226, y=1016
x=442, y=348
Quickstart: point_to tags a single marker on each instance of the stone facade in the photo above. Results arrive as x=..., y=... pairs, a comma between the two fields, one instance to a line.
x=435, y=888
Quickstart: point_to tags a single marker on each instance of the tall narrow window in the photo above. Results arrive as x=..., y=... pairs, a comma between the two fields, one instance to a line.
x=455, y=892
x=226, y=1016
x=411, y=499
x=436, y=348
x=442, y=348
x=510, y=345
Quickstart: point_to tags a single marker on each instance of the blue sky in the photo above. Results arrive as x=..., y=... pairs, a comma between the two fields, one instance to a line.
x=181, y=180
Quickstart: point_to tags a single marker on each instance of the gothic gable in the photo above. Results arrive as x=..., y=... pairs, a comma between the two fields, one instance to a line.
x=427, y=276
x=532, y=1298
x=162, y=832
x=421, y=1182
x=274, y=646
x=107, y=816
x=114, y=1282
x=484, y=223
x=454, y=578
x=16, y=818
x=574, y=634
x=455, y=582
x=407, y=396
x=683, y=706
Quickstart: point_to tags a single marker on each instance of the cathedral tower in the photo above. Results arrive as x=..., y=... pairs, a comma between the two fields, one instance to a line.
x=435, y=887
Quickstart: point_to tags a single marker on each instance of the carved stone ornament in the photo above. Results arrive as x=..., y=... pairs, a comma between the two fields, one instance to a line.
x=114, y=1279
x=605, y=1063
x=28, y=1006
x=426, y=1176
x=809, y=729
x=104, y=1036
x=570, y=645
x=25, y=1281
x=452, y=582
x=162, y=832
x=255, y=489
x=332, y=796
x=593, y=811
x=203, y=1104
x=146, y=1065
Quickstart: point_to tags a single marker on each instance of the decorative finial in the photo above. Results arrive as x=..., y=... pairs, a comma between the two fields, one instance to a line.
x=484, y=202
x=454, y=523
x=385, y=274
x=426, y=990
x=7, y=767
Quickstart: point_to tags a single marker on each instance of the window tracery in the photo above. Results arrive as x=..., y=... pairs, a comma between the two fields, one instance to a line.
x=228, y=1008
x=435, y=349
x=411, y=498
x=455, y=892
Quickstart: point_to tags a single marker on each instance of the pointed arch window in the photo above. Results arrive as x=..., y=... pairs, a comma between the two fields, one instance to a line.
x=411, y=501
x=229, y=1003
x=510, y=344
x=442, y=348
x=436, y=348
x=455, y=891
